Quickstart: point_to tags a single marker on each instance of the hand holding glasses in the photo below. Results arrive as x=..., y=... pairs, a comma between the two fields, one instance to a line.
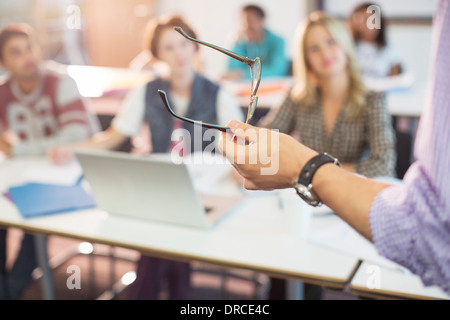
x=255, y=72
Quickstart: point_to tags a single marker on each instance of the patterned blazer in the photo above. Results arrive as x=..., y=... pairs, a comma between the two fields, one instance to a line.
x=367, y=142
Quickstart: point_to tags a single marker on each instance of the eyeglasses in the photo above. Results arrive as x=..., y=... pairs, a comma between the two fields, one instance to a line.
x=255, y=72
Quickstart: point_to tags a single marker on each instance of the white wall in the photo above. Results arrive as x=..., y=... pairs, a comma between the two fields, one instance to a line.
x=413, y=43
x=389, y=8
x=217, y=22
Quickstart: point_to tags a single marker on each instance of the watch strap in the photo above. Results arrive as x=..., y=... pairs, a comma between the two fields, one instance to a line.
x=310, y=168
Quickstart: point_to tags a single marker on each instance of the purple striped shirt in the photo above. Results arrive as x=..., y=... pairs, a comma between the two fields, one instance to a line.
x=411, y=223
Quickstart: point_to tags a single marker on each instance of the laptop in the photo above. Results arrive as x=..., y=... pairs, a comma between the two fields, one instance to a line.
x=150, y=187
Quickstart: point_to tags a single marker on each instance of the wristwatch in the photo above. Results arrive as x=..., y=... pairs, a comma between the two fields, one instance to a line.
x=303, y=185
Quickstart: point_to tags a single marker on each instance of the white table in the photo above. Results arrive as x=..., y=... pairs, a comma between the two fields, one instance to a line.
x=404, y=96
x=95, y=81
x=258, y=235
x=407, y=102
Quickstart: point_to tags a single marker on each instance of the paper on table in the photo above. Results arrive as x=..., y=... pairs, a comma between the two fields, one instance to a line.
x=331, y=231
x=341, y=237
x=65, y=175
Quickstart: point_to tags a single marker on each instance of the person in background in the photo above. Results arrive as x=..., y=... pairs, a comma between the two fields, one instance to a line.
x=377, y=57
x=191, y=95
x=329, y=108
x=255, y=40
x=40, y=108
x=408, y=223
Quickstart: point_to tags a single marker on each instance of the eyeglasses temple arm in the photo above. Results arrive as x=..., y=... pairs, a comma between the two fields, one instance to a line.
x=163, y=96
x=233, y=55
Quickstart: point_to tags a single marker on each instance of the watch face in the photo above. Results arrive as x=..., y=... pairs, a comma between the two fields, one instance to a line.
x=307, y=195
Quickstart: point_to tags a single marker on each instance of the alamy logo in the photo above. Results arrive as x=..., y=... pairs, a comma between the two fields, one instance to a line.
x=374, y=21
x=374, y=279
x=74, y=280
x=74, y=19
x=264, y=154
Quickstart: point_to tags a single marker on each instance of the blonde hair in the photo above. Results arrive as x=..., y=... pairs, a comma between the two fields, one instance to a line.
x=304, y=89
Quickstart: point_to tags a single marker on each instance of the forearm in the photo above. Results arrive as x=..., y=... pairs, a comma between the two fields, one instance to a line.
x=395, y=70
x=5, y=147
x=108, y=140
x=41, y=146
x=350, y=167
x=350, y=196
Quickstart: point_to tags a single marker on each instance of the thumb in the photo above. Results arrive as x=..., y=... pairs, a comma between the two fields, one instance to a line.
x=249, y=185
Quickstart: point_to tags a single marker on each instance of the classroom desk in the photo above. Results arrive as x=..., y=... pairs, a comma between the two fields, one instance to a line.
x=258, y=235
x=408, y=102
x=404, y=97
x=96, y=81
x=375, y=281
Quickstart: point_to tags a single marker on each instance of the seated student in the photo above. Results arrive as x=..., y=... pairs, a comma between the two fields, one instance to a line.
x=376, y=56
x=39, y=108
x=328, y=108
x=193, y=96
x=255, y=40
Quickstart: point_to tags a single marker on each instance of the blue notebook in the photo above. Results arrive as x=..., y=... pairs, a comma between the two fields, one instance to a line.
x=37, y=199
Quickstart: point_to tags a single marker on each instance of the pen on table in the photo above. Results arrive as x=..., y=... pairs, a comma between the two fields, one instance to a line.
x=80, y=178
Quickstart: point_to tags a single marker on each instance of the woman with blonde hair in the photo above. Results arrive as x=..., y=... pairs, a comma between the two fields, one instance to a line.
x=328, y=108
